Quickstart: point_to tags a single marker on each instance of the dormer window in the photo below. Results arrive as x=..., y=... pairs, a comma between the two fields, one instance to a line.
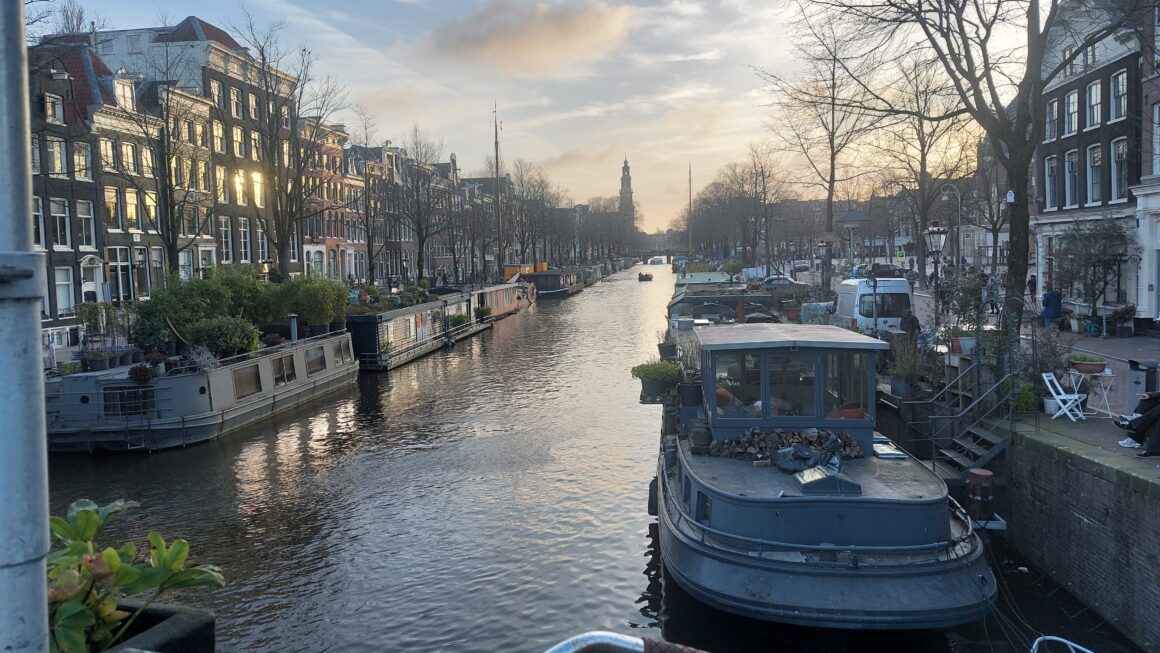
x=54, y=109
x=125, y=97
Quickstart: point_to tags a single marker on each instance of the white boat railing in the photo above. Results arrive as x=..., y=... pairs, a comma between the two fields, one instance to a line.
x=1072, y=647
x=745, y=545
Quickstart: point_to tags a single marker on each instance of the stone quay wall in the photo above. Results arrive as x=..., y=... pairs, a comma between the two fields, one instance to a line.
x=1090, y=519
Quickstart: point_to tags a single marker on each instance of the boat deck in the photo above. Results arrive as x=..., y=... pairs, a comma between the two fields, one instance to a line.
x=898, y=479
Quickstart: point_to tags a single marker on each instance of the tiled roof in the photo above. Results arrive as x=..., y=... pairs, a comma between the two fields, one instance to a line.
x=86, y=69
x=195, y=29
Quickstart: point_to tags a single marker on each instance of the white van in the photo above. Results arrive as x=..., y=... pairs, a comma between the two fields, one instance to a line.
x=854, y=307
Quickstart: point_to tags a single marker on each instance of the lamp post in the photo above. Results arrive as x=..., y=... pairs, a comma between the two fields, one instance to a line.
x=947, y=189
x=935, y=239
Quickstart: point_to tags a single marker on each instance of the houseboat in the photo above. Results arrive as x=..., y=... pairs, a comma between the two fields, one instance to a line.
x=555, y=283
x=777, y=500
x=108, y=410
x=386, y=340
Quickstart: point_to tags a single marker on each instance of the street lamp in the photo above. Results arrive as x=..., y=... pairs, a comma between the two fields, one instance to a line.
x=936, y=237
x=947, y=189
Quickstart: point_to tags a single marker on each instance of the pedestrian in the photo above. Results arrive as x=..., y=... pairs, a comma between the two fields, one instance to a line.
x=989, y=295
x=909, y=324
x=1031, y=285
x=1052, y=306
x=911, y=262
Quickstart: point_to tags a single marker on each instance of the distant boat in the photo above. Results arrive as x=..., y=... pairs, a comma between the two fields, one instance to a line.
x=108, y=410
x=644, y=276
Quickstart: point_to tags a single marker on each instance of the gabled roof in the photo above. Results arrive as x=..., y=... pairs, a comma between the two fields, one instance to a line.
x=195, y=29
x=86, y=69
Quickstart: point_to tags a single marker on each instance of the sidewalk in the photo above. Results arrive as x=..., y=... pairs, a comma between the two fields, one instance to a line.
x=1118, y=351
x=1094, y=439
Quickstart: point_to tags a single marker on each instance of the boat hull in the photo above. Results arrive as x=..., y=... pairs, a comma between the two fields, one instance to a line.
x=559, y=293
x=934, y=595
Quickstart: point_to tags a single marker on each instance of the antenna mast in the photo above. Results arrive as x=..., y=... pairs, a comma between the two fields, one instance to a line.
x=498, y=212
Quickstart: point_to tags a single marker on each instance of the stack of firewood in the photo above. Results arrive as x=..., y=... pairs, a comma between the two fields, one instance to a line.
x=756, y=444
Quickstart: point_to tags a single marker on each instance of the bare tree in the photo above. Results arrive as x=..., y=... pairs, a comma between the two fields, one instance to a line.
x=999, y=86
x=817, y=114
x=298, y=109
x=70, y=18
x=376, y=195
x=420, y=199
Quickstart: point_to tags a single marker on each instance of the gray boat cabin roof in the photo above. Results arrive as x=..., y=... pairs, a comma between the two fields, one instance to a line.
x=782, y=336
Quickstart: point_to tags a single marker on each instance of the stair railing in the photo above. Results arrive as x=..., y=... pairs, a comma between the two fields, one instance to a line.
x=995, y=402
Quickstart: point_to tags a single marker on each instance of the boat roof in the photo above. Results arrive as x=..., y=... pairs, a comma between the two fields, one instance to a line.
x=703, y=277
x=765, y=336
x=719, y=294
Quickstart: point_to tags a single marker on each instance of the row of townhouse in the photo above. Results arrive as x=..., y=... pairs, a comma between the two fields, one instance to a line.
x=1098, y=158
x=161, y=144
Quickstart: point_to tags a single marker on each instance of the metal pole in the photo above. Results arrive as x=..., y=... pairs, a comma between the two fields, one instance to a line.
x=959, y=226
x=24, y=465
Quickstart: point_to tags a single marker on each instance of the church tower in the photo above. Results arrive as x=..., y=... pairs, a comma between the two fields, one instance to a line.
x=626, y=191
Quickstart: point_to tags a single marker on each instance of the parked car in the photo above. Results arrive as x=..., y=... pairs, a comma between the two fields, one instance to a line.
x=801, y=266
x=781, y=282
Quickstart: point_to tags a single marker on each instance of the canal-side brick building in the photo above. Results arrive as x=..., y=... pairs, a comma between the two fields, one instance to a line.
x=1090, y=155
x=1148, y=191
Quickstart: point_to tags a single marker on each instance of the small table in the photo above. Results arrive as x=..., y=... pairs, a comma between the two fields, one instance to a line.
x=1098, y=385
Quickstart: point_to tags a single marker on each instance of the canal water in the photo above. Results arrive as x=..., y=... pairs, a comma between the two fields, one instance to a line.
x=489, y=498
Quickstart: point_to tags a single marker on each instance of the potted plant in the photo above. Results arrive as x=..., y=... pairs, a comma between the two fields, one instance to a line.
x=1086, y=364
x=667, y=350
x=140, y=374
x=482, y=313
x=88, y=586
x=98, y=360
x=154, y=360
x=905, y=369
x=1120, y=321
x=656, y=377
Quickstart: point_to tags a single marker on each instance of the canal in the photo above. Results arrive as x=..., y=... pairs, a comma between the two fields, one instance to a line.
x=489, y=498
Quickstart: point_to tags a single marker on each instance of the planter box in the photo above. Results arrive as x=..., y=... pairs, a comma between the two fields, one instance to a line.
x=690, y=394
x=1124, y=331
x=169, y=629
x=1089, y=367
x=900, y=388
x=667, y=350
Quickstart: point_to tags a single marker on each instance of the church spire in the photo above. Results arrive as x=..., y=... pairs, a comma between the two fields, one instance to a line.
x=626, y=206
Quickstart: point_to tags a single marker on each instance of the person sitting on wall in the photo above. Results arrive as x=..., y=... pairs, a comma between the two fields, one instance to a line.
x=1143, y=425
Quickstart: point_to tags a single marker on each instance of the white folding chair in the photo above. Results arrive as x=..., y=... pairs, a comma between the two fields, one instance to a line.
x=1069, y=402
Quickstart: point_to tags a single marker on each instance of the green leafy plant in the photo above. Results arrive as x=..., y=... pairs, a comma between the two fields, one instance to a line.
x=1024, y=392
x=657, y=371
x=459, y=320
x=86, y=583
x=1085, y=358
x=224, y=336
x=482, y=312
x=1122, y=315
x=71, y=367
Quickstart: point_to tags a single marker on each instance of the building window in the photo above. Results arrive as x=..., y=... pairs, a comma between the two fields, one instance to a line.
x=1089, y=56
x=1071, y=178
x=1119, y=95
x=215, y=92
x=86, y=224
x=1069, y=56
x=120, y=273
x=200, y=136
x=129, y=157
x=185, y=264
x=253, y=106
x=150, y=210
x=53, y=109
x=58, y=210
x=259, y=190
x=294, y=253
x=156, y=261
x=1094, y=104
x=35, y=154
x=1095, y=172
x=202, y=175
x=132, y=209
x=83, y=160
x=1156, y=131
x=241, y=197
x=56, y=158
x=236, y=102
x=225, y=242
x=65, y=299
x=221, y=187
x=256, y=146
x=190, y=134
x=1051, y=181
x=125, y=98
x=239, y=135
x=219, y=137
x=1119, y=169
x=140, y=272
x=108, y=154
x=1070, y=113
x=147, y=162
x=37, y=222
x=260, y=237
x=177, y=172
x=244, y=240
x=112, y=208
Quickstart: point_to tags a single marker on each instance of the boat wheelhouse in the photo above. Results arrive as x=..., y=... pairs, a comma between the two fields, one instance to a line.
x=759, y=518
x=555, y=283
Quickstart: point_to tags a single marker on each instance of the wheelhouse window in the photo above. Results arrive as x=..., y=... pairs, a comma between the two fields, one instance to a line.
x=247, y=381
x=704, y=508
x=791, y=384
x=315, y=360
x=847, y=385
x=738, y=380
x=284, y=370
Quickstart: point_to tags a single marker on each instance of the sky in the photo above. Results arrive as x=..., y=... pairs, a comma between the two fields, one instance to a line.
x=578, y=85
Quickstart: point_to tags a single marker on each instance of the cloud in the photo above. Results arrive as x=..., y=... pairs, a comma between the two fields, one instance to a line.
x=537, y=41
